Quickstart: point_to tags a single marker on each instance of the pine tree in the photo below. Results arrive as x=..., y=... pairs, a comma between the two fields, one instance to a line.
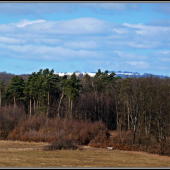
x=62, y=86
x=49, y=84
x=30, y=90
x=72, y=91
x=15, y=88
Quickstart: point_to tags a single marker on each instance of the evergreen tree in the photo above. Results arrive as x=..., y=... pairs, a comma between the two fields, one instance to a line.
x=15, y=88
x=62, y=86
x=49, y=84
x=101, y=83
x=30, y=90
x=72, y=91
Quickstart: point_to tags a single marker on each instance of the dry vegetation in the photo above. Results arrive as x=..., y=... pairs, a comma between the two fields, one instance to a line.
x=42, y=129
x=28, y=139
x=21, y=155
x=67, y=133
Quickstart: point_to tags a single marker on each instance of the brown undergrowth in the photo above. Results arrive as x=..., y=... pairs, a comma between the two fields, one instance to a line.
x=42, y=129
x=16, y=126
x=146, y=144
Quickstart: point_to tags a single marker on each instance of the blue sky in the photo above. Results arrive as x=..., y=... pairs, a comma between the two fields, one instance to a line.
x=85, y=37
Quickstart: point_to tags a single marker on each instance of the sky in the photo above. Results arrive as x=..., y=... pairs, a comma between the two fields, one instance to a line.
x=85, y=37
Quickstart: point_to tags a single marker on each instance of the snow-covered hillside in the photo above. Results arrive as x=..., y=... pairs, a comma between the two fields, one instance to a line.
x=122, y=74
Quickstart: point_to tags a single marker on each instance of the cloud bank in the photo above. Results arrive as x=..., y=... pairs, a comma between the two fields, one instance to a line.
x=50, y=8
x=89, y=39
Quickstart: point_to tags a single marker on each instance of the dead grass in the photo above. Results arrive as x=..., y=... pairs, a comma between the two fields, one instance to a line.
x=21, y=156
x=20, y=145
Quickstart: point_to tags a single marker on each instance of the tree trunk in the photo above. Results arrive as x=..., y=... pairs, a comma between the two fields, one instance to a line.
x=117, y=116
x=0, y=98
x=34, y=105
x=125, y=133
x=132, y=129
x=71, y=109
x=48, y=104
x=95, y=107
x=139, y=134
x=146, y=132
x=149, y=129
x=14, y=102
x=128, y=117
x=95, y=116
x=121, y=128
x=168, y=143
x=102, y=103
x=132, y=137
x=134, y=133
x=60, y=104
x=30, y=108
x=37, y=105
x=39, y=101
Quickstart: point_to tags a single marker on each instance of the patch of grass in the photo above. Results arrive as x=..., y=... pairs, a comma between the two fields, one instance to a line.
x=6, y=144
x=78, y=158
x=91, y=157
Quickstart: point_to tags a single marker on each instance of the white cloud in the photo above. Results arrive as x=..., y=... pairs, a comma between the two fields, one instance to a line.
x=138, y=64
x=165, y=59
x=36, y=8
x=56, y=32
x=82, y=39
x=125, y=55
x=120, y=31
x=106, y=6
x=47, y=41
x=162, y=56
x=7, y=28
x=144, y=44
x=50, y=53
x=140, y=25
x=11, y=40
x=53, y=8
x=162, y=7
x=164, y=52
x=25, y=22
x=74, y=26
x=148, y=30
x=110, y=7
x=81, y=44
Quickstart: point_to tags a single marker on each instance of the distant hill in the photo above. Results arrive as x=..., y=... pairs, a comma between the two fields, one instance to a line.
x=123, y=74
x=6, y=77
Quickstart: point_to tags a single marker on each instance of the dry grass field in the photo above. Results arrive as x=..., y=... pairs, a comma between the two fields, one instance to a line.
x=30, y=154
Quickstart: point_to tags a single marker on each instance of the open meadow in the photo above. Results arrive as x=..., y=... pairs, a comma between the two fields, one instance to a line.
x=31, y=154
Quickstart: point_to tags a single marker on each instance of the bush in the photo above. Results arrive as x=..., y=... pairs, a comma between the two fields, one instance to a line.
x=9, y=117
x=62, y=143
x=40, y=128
x=101, y=140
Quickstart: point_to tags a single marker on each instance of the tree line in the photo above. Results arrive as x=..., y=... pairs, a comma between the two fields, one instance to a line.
x=137, y=105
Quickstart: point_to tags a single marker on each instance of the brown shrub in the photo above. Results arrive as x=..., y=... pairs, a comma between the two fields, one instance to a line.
x=101, y=140
x=62, y=142
x=40, y=128
x=9, y=117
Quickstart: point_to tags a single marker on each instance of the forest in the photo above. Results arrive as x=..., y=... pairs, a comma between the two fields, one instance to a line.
x=43, y=106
